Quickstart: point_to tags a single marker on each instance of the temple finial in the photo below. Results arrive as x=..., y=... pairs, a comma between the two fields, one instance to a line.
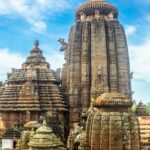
x=36, y=44
x=44, y=123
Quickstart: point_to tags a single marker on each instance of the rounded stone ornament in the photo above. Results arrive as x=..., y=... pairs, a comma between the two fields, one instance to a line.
x=112, y=126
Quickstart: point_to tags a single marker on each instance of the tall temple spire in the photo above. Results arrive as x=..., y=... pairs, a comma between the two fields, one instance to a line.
x=98, y=60
x=98, y=65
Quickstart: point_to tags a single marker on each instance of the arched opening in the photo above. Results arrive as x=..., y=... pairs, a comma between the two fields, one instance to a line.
x=14, y=144
x=76, y=145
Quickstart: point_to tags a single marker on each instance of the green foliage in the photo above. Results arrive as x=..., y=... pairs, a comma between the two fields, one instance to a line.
x=134, y=108
x=147, y=106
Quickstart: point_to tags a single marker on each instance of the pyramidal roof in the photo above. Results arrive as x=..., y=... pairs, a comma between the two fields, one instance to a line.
x=44, y=138
x=36, y=58
x=34, y=87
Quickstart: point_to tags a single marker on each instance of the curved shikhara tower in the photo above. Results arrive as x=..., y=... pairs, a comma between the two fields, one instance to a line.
x=97, y=58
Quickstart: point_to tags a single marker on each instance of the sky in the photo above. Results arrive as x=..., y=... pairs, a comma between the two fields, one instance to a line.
x=24, y=21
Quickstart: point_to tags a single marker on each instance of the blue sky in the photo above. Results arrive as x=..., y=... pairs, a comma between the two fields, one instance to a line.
x=23, y=21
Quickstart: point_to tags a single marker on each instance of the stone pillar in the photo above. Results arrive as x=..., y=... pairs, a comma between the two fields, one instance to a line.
x=94, y=48
x=99, y=57
x=124, y=82
x=113, y=75
x=85, y=67
x=75, y=72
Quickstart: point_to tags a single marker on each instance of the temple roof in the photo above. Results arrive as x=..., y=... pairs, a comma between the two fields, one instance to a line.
x=36, y=58
x=34, y=87
x=141, y=110
x=45, y=138
x=90, y=7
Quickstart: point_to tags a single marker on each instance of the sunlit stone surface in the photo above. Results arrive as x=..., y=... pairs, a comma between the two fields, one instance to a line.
x=97, y=58
x=29, y=92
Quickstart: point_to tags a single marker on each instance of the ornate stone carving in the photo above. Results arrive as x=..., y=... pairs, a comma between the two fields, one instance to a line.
x=111, y=16
x=97, y=14
x=83, y=16
x=112, y=125
x=63, y=44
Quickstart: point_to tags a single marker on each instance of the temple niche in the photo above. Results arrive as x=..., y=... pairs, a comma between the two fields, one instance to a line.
x=30, y=92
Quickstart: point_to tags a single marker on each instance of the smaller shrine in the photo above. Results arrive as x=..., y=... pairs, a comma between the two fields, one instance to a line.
x=144, y=123
x=44, y=138
x=141, y=110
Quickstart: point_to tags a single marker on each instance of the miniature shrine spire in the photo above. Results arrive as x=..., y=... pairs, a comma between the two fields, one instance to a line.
x=36, y=44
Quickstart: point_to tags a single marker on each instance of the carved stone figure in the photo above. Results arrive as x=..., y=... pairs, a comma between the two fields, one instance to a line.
x=97, y=14
x=111, y=16
x=83, y=16
x=63, y=44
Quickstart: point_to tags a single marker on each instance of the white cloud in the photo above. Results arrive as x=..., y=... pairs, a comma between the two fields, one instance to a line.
x=140, y=60
x=142, y=90
x=130, y=30
x=38, y=26
x=55, y=58
x=9, y=60
x=34, y=12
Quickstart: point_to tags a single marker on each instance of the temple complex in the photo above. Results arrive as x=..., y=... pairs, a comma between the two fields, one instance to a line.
x=91, y=99
x=30, y=92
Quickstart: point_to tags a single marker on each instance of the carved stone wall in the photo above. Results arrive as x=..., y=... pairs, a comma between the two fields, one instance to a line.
x=98, y=62
x=112, y=126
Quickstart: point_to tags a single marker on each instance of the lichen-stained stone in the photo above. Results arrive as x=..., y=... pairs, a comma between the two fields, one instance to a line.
x=112, y=126
x=45, y=139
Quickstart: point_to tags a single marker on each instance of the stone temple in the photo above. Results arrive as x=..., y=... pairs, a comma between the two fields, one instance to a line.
x=97, y=58
x=30, y=91
x=90, y=99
